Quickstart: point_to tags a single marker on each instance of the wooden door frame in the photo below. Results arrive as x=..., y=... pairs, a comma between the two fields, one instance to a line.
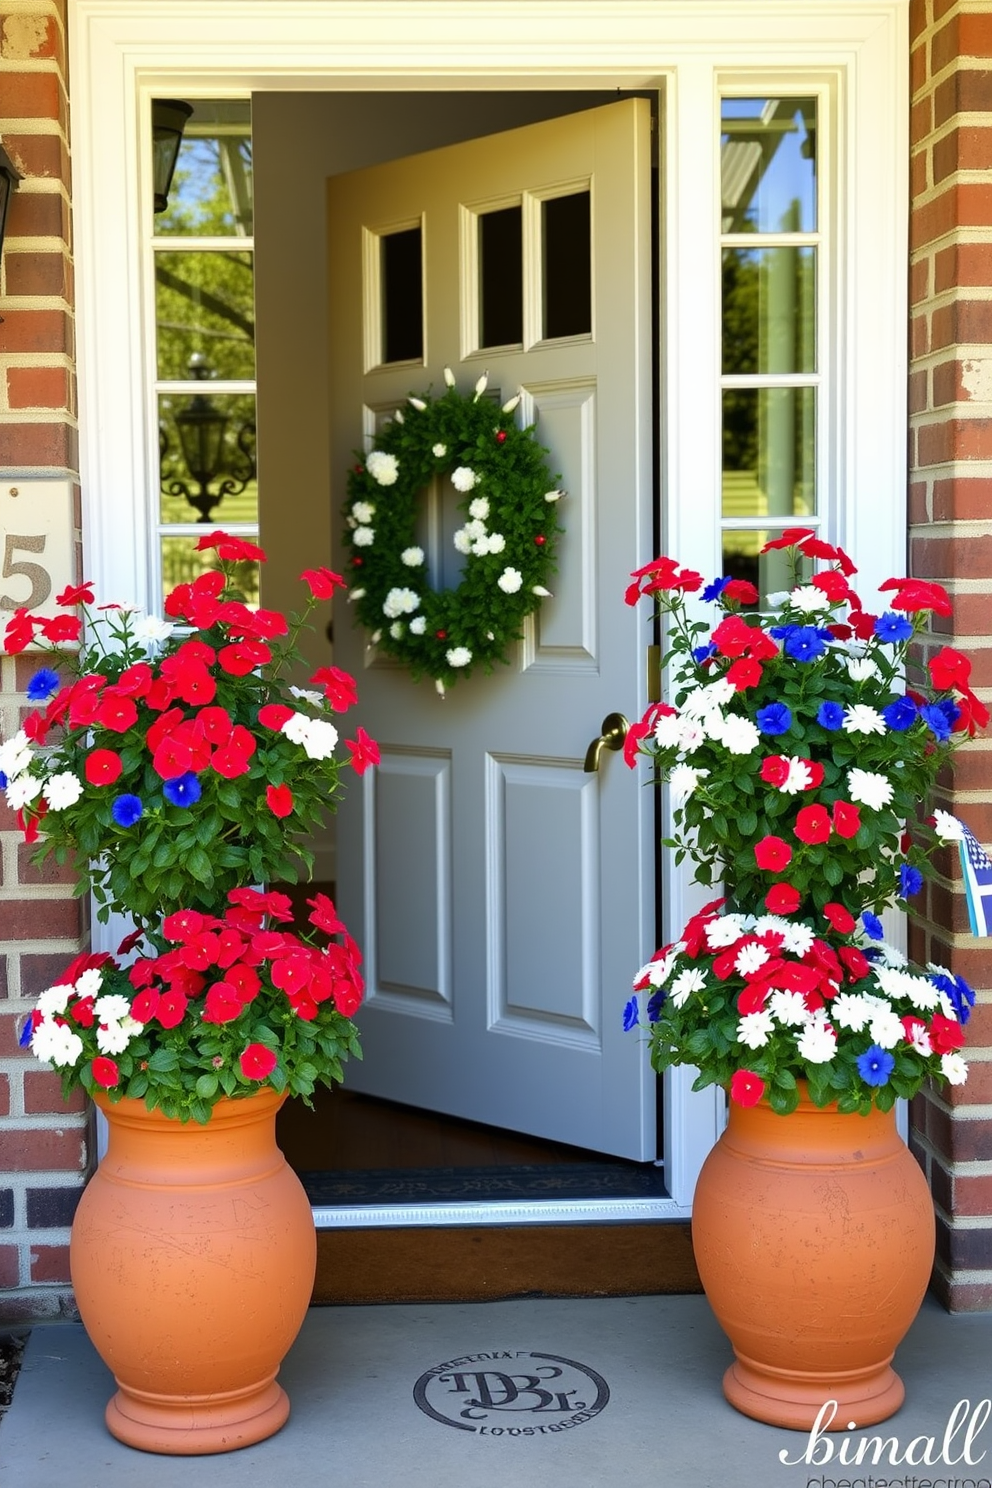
x=855, y=52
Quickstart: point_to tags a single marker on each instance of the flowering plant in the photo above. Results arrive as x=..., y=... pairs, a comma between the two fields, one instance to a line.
x=178, y=760
x=797, y=761
x=213, y=1007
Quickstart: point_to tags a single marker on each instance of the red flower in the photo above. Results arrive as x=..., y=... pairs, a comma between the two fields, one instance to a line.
x=863, y=624
x=815, y=773
x=19, y=632
x=858, y=965
x=347, y=997
x=75, y=594
x=274, y=715
x=949, y=668
x=188, y=677
x=324, y=915
x=105, y=1071
x=746, y=1088
x=761, y=646
x=340, y=689
x=116, y=712
x=946, y=1035
x=841, y=919
x=245, y=981
x=279, y=799
x=232, y=759
x=364, y=752
x=243, y=657
x=82, y=1012
x=772, y=854
x=322, y=582
x=183, y=925
x=790, y=538
x=215, y=724
x=62, y=628
x=230, y=549
x=258, y=1061
x=832, y=584
x=103, y=767
x=172, y=758
x=740, y=590
x=222, y=1004
x=145, y=1005
x=918, y=594
x=775, y=769
x=782, y=898
x=135, y=680
x=732, y=637
x=846, y=819
x=812, y=824
x=744, y=672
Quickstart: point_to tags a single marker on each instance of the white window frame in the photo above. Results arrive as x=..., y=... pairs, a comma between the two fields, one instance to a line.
x=125, y=52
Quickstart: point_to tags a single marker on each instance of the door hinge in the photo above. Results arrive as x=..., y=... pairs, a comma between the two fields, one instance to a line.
x=653, y=660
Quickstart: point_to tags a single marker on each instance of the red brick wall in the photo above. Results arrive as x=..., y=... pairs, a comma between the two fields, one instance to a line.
x=44, y=1144
x=951, y=540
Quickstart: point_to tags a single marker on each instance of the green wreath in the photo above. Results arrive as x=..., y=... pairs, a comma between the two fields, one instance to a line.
x=508, y=537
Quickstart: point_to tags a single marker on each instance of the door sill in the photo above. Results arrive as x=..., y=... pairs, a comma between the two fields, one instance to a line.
x=524, y=1212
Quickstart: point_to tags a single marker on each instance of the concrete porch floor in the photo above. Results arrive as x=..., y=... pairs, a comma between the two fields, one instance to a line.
x=352, y=1373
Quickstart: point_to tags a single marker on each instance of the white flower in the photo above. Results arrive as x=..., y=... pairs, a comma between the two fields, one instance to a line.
x=739, y=735
x=475, y=529
x=787, y=1007
x=688, y=981
x=797, y=939
x=383, y=468
x=553, y=495
x=308, y=695
x=400, y=602
x=860, y=719
x=463, y=478
x=683, y=781
x=808, y=599
x=704, y=699
x=112, y=1008
x=88, y=985
x=115, y=1037
x=479, y=508
x=15, y=755
x=712, y=723
x=439, y=686
x=755, y=1029
x=54, y=1000
x=510, y=580
x=798, y=778
x=317, y=737
x=890, y=956
x=22, y=790
x=851, y=1010
x=449, y=377
x=62, y=790
x=497, y=543
x=417, y=403
x=860, y=669
x=511, y=403
x=418, y=625
x=886, y=1029
x=953, y=1068
x=668, y=731
x=919, y=1038
x=363, y=537
x=439, y=451
x=868, y=788
x=817, y=1043
x=776, y=600
x=151, y=631
x=750, y=958
x=458, y=656
x=770, y=923
x=354, y=594
x=398, y=416
x=690, y=734
x=480, y=386
x=56, y=1043
x=396, y=630
x=462, y=541
x=947, y=827
x=724, y=931
x=412, y=557
x=363, y=512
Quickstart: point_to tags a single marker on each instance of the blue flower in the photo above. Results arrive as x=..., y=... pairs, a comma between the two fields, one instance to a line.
x=962, y=998
x=900, y=714
x=655, y=1003
x=3, y=781
x=782, y=632
x=714, y=590
x=936, y=720
x=703, y=653
x=630, y=1015
x=126, y=810
x=875, y=1065
x=950, y=710
x=873, y=925
x=910, y=880
x=892, y=628
x=830, y=715
x=774, y=719
x=27, y=1032
x=183, y=791
x=42, y=685
x=805, y=643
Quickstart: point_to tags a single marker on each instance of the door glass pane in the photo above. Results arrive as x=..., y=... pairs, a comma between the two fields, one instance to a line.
x=567, y=265
x=501, y=281
x=768, y=164
x=212, y=188
x=207, y=457
x=768, y=452
x=181, y=564
x=205, y=306
x=770, y=573
x=402, y=296
x=769, y=302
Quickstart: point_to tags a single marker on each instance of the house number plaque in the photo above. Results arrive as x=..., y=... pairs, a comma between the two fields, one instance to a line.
x=36, y=544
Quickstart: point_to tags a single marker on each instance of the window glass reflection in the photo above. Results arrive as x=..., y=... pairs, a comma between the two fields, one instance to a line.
x=770, y=573
x=205, y=305
x=768, y=445
x=768, y=164
x=207, y=457
x=769, y=308
x=212, y=192
x=181, y=564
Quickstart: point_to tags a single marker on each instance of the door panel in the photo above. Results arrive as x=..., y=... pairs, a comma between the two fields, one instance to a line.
x=502, y=895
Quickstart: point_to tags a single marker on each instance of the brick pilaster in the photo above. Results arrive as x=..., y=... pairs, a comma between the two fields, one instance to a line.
x=951, y=541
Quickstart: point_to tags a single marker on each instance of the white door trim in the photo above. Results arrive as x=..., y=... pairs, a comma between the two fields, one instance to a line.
x=123, y=52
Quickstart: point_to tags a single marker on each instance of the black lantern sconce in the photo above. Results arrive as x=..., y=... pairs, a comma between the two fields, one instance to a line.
x=9, y=178
x=169, y=118
x=202, y=428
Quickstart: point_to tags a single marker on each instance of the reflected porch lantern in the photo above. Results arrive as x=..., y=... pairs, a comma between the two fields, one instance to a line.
x=9, y=178
x=201, y=427
x=169, y=117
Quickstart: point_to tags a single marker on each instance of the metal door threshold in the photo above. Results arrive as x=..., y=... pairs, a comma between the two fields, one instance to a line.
x=496, y=1212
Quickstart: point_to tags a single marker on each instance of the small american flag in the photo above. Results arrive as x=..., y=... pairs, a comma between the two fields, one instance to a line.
x=976, y=866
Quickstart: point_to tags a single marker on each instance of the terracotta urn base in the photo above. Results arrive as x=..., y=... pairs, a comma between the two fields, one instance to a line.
x=814, y=1239
x=193, y=1254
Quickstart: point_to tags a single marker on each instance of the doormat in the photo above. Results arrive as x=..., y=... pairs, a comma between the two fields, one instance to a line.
x=533, y=1181
x=512, y=1392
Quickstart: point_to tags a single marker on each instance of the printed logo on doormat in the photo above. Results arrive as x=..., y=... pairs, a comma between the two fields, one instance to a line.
x=512, y=1392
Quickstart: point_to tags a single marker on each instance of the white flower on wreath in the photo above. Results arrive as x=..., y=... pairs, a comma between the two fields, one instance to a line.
x=475, y=529
x=861, y=669
x=868, y=788
x=418, y=624
x=510, y=580
x=496, y=543
x=400, y=602
x=724, y=931
x=115, y=1037
x=383, y=468
x=886, y=1029
x=479, y=508
x=363, y=512
x=439, y=451
x=464, y=478
x=396, y=630
x=458, y=656
x=112, y=1008
x=62, y=790
x=462, y=541
x=797, y=939
x=412, y=557
x=363, y=537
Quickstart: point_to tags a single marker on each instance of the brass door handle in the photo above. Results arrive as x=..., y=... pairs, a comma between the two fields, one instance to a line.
x=614, y=733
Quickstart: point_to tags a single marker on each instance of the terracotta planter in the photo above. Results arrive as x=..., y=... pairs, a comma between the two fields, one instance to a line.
x=814, y=1238
x=193, y=1256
